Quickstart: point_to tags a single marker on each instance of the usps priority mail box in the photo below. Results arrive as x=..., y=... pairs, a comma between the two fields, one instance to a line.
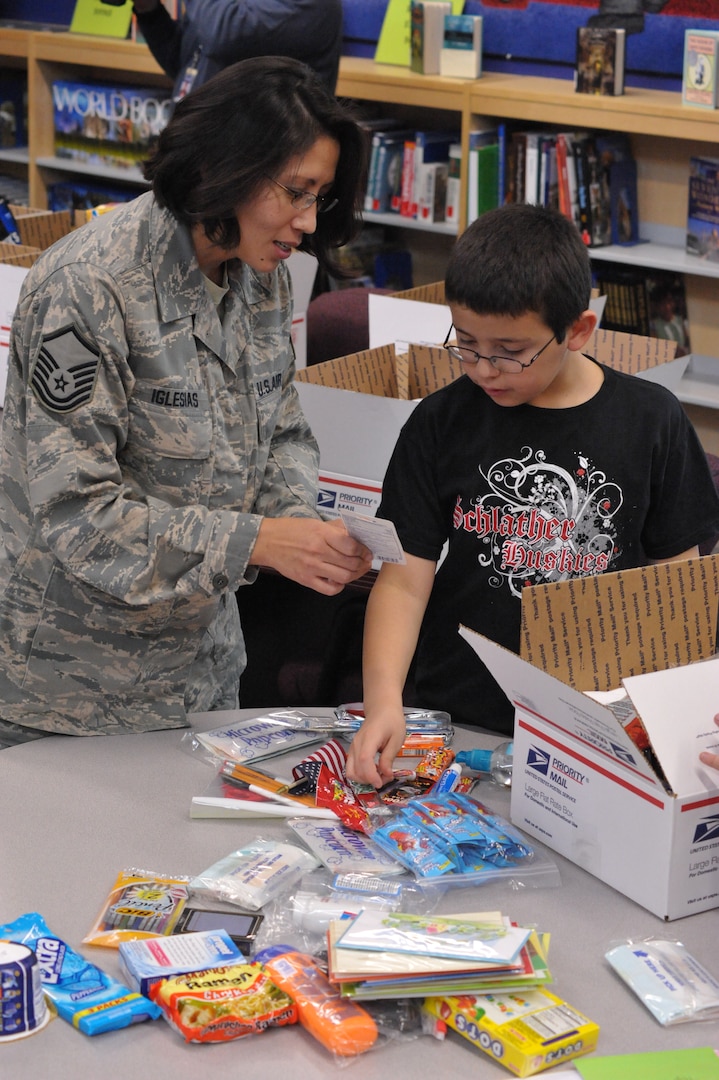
x=645, y=822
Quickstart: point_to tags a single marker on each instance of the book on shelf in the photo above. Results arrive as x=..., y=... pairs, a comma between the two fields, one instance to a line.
x=703, y=208
x=625, y=288
x=699, y=68
x=568, y=192
x=454, y=184
x=102, y=20
x=432, y=192
x=548, y=192
x=407, y=190
x=647, y=302
x=429, y=147
x=592, y=192
x=107, y=125
x=482, y=169
x=516, y=166
x=461, y=53
x=600, y=60
x=623, y=206
x=618, y=188
x=531, y=167
x=385, y=171
x=426, y=34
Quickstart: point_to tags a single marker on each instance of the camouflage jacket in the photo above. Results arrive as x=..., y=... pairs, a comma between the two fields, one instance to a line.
x=143, y=440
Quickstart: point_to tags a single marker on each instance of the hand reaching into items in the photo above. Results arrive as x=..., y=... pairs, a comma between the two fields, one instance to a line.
x=318, y=554
x=709, y=758
x=381, y=734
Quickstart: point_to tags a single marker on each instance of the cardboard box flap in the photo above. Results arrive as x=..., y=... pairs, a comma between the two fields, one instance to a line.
x=429, y=369
x=373, y=371
x=592, y=632
x=41, y=228
x=629, y=353
x=677, y=708
x=18, y=254
x=386, y=373
x=427, y=294
x=563, y=709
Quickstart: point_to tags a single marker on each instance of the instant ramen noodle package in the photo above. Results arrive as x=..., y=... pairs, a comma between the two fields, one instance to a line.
x=223, y=1003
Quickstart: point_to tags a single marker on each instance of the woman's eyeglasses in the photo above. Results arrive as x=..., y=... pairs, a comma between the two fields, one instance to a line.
x=511, y=365
x=303, y=200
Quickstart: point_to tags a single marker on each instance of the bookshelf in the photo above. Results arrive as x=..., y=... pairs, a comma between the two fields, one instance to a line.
x=664, y=135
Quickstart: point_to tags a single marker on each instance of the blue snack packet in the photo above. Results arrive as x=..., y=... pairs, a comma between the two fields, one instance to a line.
x=85, y=996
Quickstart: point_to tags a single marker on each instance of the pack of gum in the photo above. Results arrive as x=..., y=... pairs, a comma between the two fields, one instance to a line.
x=525, y=1032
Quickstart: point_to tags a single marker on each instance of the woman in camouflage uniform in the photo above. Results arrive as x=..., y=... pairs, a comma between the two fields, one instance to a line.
x=154, y=452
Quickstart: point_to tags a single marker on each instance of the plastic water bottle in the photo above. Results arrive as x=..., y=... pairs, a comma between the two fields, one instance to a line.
x=497, y=763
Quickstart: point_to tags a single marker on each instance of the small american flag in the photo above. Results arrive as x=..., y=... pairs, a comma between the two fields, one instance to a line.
x=332, y=754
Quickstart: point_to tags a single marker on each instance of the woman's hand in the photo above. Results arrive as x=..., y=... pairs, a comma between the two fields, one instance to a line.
x=318, y=554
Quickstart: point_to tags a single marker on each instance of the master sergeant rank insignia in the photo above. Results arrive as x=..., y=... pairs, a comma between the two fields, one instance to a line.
x=64, y=374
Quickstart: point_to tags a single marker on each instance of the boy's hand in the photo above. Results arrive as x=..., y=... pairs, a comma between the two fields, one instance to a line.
x=383, y=733
x=707, y=757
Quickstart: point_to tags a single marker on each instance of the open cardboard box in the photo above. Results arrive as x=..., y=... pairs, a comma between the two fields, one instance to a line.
x=356, y=405
x=579, y=783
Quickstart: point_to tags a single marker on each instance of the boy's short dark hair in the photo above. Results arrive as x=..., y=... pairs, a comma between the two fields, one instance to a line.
x=229, y=135
x=521, y=258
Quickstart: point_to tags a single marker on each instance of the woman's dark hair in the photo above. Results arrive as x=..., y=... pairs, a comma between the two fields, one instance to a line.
x=521, y=258
x=242, y=126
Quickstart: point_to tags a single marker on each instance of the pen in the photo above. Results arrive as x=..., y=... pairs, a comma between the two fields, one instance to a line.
x=262, y=784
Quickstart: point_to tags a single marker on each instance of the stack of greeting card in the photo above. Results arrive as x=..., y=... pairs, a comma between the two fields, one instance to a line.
x=390, y=954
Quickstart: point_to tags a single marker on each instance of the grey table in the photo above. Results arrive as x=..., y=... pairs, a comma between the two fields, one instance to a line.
x=77, y=811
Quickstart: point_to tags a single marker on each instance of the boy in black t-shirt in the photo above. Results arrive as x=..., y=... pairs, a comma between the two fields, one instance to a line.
x=537, y=465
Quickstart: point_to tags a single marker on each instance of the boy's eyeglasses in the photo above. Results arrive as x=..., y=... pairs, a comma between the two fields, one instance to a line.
x=303, y=200
x=508, y=364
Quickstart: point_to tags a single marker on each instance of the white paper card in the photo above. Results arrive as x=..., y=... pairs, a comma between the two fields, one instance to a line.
x=377, y=534
x=677, y=707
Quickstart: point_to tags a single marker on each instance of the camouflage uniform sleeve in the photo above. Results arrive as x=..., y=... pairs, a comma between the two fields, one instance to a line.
x=138, y=542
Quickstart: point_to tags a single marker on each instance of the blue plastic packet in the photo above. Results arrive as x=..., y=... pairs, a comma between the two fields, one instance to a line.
x=85, y=996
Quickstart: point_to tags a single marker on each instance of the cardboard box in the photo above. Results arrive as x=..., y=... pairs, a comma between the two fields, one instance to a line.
x=579, y=783
x=356, y=405
x=17, y=254
x=526, y=1032
x=41, y=228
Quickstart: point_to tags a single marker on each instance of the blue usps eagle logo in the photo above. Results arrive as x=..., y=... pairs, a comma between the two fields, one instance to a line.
x=707, y=829
x=65, y=372
x=538, y=759
x=326, y=497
